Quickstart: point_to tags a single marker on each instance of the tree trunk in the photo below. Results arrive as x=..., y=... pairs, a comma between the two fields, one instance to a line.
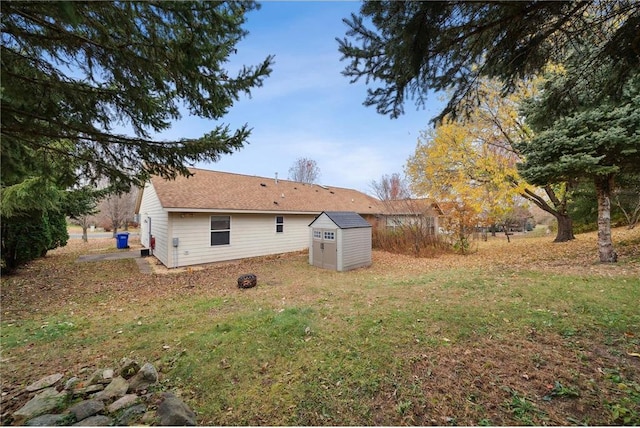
x=605, y=244
x=565, y=227
x=559, y=211
x=85, y=238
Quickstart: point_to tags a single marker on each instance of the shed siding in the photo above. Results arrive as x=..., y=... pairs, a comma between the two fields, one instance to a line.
x=150, y=207
x=356, y=248
x=251, y=235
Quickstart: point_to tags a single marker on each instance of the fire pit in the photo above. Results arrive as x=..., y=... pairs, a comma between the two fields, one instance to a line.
x=247, y=281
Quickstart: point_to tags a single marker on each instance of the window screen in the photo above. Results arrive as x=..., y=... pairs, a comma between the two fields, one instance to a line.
x=220, y=229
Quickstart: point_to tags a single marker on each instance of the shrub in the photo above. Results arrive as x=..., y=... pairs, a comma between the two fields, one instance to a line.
x=410, y=240
x=30, y=235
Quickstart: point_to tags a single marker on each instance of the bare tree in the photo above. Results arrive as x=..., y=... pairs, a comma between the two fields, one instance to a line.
x=304, y=170
x=85, y=221
x=117, y=209
x=391, y=188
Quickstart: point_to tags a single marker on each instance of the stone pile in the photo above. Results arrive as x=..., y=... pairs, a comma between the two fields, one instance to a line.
x=129, y=395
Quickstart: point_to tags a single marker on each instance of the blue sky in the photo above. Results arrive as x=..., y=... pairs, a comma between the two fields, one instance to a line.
x=306, y=108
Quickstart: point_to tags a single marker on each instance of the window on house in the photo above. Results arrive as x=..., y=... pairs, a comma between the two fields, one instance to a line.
x=279, y=224
x=220, y=229
x=329, y=236
x=317, y=234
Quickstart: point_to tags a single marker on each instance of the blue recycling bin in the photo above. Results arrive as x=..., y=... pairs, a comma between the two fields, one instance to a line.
x=122, y=240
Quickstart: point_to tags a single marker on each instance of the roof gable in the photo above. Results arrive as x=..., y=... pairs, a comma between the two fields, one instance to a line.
x=346, y=219
x=214, y=190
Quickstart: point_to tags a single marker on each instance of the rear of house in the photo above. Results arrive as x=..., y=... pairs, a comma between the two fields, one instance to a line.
x=214, y=216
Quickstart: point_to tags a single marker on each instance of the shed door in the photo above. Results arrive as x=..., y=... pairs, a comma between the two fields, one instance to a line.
x=325, y=248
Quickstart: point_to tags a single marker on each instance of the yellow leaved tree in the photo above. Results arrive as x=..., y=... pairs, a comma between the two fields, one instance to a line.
x=465, y=176
x=470, y=166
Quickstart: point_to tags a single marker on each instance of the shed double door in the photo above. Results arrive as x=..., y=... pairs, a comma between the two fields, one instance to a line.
x=325, y=248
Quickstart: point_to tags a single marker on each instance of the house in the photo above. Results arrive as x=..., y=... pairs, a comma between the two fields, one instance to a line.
x=422, y=212
x=214, y=216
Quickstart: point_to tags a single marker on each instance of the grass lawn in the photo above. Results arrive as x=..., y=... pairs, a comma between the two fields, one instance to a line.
x=520, y=333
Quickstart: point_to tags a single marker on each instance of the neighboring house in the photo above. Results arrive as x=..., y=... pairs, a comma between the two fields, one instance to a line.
x=216, y=216
x=418, y=212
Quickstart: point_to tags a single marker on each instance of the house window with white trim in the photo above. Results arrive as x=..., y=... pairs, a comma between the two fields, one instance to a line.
x=279, y=224
x=220, y=229
x=329, y=236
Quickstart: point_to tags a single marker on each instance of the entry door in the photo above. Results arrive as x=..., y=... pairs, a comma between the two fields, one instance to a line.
x=325, y=248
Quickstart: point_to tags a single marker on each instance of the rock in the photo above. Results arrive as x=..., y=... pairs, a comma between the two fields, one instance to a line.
x=173, y=412
x=96, y=378
x=48, y=420
x=150, y=418
x=123, y=402
x=95, y=421
x=144, y=378
x=70, y=384
x=86, y=408
x=91, y=389
x=131, y=414
x=45, y=382
x=116, y=389
x=107, y=374
x=129, y=368
x=141, y=407
x=46, y=401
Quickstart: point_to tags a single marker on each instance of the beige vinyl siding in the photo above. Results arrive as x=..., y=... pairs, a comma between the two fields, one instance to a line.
x=150, y=208
x=251, y=235
x=355, y=248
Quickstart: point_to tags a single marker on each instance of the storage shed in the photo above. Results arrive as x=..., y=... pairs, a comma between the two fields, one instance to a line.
x=340, y=240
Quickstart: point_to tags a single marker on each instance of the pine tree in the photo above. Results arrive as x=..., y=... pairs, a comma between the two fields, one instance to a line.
x=76, y=71
x=410, y=48
x=585, y=134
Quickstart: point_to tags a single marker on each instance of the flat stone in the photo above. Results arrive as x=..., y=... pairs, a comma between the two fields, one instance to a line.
x=116, y=389
x=45, y=382
x=131, y=414
x=95, y=421
x=47, y=420
x=44, y=402
x=126, y=401
x=84, y=409
x=91, y=389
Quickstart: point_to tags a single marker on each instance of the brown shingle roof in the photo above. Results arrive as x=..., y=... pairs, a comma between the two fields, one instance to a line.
x=213, y=190
x=411, y=206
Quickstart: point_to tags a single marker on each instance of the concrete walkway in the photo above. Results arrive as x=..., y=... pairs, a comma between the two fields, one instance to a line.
x=143, y=262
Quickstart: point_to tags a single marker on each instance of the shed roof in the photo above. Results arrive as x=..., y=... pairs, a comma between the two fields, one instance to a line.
x=345, y=219
x=214, y=190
